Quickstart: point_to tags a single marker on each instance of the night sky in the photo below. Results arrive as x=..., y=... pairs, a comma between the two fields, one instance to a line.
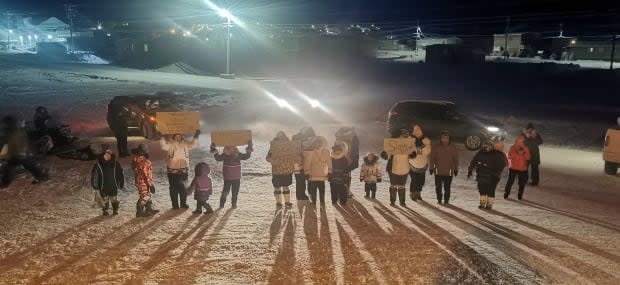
x=444, y=14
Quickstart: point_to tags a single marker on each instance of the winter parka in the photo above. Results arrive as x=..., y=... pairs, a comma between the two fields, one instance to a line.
x=306, y=135
x=202, y=185
x=349, y=136
x=232, y=161
x=318, y=162
x=371, y=172
x=143, y=172
x=444, y=160
x=488, y=164
x=341, y=164
x=178, y=154
x=423, y=149
x=107, y=176
x=277, y=167
x=533, y=144
x=518, y=157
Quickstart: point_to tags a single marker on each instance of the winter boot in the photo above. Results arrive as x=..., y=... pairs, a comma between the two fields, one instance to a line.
x=115, y=208
x=139, y=211
x=148, y=209
x=367, y=194
x=483, y=201
x=520, y=196
x=490, y=201
x=287, y=196
x=208, y=209
x=198, y=208
x=412, y=196
x=393, y=191
x=106, y=206
x=418, y=195
x=278, y=194
x=402, y=196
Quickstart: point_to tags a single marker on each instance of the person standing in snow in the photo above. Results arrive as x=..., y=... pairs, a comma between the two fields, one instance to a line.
x=489, y=164
x=202, y=187
x=518, y=157
x=231, y=170
x=444, y=164
x=340, y=175
x=16, y=152
x=282, y=176
x=398, y=169
x=533, y=140
x=419, y=164
x=107, y=177
x=349, y=136
x=143, y=173
x=306, y=135
x=178, y=166
x=317, y=167
x=370, y=174
x=41, y=120
x=117, y=120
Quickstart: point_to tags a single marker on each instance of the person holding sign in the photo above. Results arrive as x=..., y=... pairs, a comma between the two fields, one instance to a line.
x=419, y=164
x=317, y=167
x=178, y=166
x=282, y=167
x=397, y=153
x=232, y=170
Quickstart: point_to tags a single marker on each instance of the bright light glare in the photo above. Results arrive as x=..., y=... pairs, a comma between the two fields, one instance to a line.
x=314, y=103
x=280, y=102
x=224, y=13
x=493, y=129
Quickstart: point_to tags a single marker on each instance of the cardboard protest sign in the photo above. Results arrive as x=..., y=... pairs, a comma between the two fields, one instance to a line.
x=231, y=138
x=399, y=145
x=285, y=154
x=177, y=122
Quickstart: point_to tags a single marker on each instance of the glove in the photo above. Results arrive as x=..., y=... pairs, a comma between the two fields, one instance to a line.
x=361, y=179
x=152, y=189
x=196, y=134
x=431, y=171
x=212, y=148
x=329, y=177
x=384, y=155
x=249, y=148
x=456, y=172
x=378, y=179
x=469, y=174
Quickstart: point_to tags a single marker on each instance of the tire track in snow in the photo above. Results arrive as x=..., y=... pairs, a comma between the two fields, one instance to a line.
x=586, y=273
x=115, y=249
x=571, y=215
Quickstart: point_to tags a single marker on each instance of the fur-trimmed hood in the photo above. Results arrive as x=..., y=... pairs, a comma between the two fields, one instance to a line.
x=339, y=150
x=371, y=158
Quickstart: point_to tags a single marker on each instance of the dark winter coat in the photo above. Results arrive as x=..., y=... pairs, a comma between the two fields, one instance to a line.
x=340, y=169
x=349, y=136
x=107, y=176
x=232, y=163
x=201, y=186
x=444, y=160
x=488, y=164
x=532, y=144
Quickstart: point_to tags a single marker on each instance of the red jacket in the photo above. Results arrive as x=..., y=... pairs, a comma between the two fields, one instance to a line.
x=143, y=171
x=519, y=157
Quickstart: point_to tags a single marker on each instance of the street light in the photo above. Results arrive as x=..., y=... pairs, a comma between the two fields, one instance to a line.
x=225, y=14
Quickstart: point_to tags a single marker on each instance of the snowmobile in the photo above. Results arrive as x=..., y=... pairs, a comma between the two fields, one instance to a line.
x=60, y=142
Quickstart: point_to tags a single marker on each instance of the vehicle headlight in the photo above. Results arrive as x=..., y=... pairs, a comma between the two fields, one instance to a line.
x=492, y=129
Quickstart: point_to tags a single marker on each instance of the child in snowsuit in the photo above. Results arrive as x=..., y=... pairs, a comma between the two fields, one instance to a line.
x=317, y=167
x=282, y=174
x=444, y=164
x=398, y=168
x=489, y=164
x=419, y=164
x=370, y=174
x=231, y=170
x=107, y=177
x=143, y=172
x=202, y=187
x=340, y=175
x=518, y=156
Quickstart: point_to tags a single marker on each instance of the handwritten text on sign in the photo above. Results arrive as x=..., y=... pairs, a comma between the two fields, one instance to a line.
x=231, y=138
x=399, y=146
x=284, y=155
x=177, y=122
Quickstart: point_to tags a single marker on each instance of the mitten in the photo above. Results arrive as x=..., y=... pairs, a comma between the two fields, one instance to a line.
x=249, y=148
x=456, y=172
x=431, y=171
x=378, y=179
x=196, y=134
x=469, y=174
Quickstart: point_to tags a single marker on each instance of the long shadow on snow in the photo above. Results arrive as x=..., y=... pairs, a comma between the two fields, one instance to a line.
x=284, y=271
x=319, y=245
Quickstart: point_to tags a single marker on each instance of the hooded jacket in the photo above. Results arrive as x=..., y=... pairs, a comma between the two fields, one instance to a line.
x=318, y=162
x=178, y=154
x=349, y=136
x=143, y=172
x=519, y=156
x=341, y=164
x=107, y=176
x=306, y=135
x=370, y=171
x=444, y=159
x=423, y=149
x=488, y=164
x=202, y=185
x=232, y=161
x=533, y=144
x=279, y=167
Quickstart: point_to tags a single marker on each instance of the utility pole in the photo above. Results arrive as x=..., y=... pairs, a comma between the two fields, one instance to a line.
x=70, y=10
x=613, y=51
x=418, y=31
x=8, y=30
x=506, y=54
x=561, y=30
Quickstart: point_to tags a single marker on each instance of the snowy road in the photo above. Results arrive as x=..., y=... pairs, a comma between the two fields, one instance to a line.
x=565, y=231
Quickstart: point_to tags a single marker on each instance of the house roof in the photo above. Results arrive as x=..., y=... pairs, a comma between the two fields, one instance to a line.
x=53, y=23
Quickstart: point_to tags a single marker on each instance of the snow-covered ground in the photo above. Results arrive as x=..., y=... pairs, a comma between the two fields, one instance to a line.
x=565, y=231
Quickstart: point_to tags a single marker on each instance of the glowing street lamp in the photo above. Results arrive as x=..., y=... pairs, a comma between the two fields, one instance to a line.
x=225, y=14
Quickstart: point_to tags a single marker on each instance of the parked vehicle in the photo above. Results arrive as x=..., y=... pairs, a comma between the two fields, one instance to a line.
x=611, y=150
x=436, y=116
x=139, y=111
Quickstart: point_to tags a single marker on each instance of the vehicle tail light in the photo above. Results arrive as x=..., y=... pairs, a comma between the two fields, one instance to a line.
x=393, y=113
x=152, y=119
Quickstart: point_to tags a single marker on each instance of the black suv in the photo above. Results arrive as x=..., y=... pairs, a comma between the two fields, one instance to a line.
x=436, y=116
x=138, y=112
